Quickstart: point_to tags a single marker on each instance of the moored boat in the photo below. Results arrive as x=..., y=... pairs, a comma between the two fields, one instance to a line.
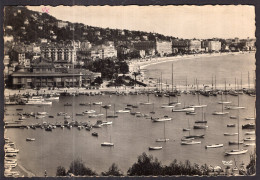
x=248, y=126
x=123, y=111
x=250, y=133
x=107, y=144
x=190, y=142
x=94, y=134
x=249, y=139
x=161, y=119
x=155, y=147
x=214, y=146
x=231, y=125
x=30, y=139
x=185, y=109
x=236, y=152
x=235, y=142
x=200, y=127
x=230, y=134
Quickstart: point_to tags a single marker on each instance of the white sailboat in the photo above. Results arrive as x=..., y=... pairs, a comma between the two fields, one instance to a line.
x=107, y=143
x=251, y=118
x=214, y=146
x=155, y=147
x=190, y=142
x=187, y=129
x=199, y=105
x=146, y=103
x=224, y=102
x=185, y=109
x=235, y=107
x=236, y=151
x=153, y=112
x=222, y=112
x=161, y=119
x=164, y=139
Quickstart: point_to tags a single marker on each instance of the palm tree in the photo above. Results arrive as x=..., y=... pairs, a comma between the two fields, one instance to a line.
x=136, y=74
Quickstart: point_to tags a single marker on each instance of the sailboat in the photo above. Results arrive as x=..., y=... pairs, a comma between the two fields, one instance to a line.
x=203, y=118
x=153, y=112
x=106, y=122
x=107, y=143
x=155, y=147
x=163, y=139
x=165, y=118
x=146, y=103
x=187, y=129
x=236, y=151
x=222, y=112
x=214, y=146
x=169, y=105
x=199, y=105
x=251, y=118
x=114, y=115
x=224, y=102
x=191, y=142
x=235, y=107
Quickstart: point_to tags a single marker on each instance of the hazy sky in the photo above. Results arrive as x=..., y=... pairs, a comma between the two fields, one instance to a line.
x=178, y=21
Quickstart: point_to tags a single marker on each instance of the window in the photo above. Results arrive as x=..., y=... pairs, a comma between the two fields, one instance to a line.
x=19, y=80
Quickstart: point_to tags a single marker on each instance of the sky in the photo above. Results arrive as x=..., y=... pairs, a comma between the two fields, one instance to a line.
x=178, y=21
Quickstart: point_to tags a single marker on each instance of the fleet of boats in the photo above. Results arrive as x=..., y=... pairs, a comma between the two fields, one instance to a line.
x=190, y=139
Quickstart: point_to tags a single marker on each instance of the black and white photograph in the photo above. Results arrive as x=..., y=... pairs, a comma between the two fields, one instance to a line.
x=93, y=91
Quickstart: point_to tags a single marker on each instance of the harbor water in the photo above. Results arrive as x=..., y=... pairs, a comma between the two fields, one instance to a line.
x=133, y=135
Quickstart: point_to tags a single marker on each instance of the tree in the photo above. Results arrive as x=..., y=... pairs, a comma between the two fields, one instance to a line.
x=123, y=67
x=136, y=74
x=98, y=81
x=61, y=171
x=251, y=167
x=145, y=166
x=113, y=171
x=78, y=168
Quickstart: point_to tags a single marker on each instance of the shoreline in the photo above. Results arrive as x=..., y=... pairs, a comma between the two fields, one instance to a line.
x=140, y=64
x=153, y=61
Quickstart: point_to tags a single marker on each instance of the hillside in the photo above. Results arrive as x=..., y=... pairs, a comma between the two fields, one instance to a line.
x=30, y=26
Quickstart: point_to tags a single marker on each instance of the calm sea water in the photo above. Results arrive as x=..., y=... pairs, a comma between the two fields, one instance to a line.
x=132, y=135
x=229, y=68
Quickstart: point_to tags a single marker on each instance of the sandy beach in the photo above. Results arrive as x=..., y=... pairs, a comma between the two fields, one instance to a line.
x=140, y=64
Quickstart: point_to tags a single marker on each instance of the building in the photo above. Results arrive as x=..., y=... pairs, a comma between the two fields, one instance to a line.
x=121, y=33
x=194, y=46
x=62, y=24
x=59, y=53
x=69, y=79
x=180, y=46
x=85, y=45
x=163, y=48
x=250, y=44
x=44, y=74
x=145, y=48
x=97, y=33
x=214, y=46
x=104, y=51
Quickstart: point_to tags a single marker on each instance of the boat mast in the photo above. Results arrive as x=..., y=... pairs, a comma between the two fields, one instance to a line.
x=238, y=127
x=186, y=84
x=172, y=77
x=202, y=114
x=215, y=82
x=241, y=81
x=161, y=82
x=164, y=130
x=212, y=82
x=235, y=84
x=248, y=81
x=238, y=101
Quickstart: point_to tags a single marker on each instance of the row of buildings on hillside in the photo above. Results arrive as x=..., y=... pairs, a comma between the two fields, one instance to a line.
x=165, y=48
